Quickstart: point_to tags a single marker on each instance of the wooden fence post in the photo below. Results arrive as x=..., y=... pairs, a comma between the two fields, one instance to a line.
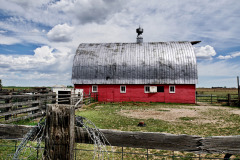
x=196, y=97
x=229, y=99
x=211, y=98
x=60, y=136
x=238, y=91
x=8, y=108
x=89, y=97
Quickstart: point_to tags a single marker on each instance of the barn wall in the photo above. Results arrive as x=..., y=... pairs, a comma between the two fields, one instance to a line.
x=111, y=93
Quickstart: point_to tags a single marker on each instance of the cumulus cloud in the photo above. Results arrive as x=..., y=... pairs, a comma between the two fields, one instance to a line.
x=61, y=33
x=232, y=55
x=205, y=52
x=46, y=65
x=70, y=22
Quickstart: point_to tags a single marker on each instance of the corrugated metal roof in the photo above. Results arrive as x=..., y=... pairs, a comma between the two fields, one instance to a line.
x=132, y=63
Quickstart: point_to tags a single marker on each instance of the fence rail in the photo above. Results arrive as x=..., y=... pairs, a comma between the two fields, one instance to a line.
x=117, y=153
x=150, y=140
x=19, y=107
x=230, y=99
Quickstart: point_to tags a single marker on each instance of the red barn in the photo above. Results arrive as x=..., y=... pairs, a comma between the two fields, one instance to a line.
x=143, y=72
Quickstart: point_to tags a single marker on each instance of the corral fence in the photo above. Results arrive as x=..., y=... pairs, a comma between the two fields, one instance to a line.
x=230, y=99
x=60, y=140
x=20, y=107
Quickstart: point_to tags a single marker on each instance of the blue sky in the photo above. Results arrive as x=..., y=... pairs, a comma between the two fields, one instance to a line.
x=38, y=39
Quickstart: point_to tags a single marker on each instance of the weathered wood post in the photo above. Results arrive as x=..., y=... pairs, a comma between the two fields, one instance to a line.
x=229, y=99
x=8, y=108
x=89, y=97
x=211, y=98
x=238, y=91
x=60, y=137
x=196, y=95
x=36, y=104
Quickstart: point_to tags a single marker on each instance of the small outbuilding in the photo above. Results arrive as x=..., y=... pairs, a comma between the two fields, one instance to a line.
x=141, y=71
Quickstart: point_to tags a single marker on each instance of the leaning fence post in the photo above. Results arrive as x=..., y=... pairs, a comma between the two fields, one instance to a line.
x=60, y=137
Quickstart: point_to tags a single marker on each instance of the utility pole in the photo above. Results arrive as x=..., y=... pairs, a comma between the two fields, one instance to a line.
x=0, y=84
x=238, y=91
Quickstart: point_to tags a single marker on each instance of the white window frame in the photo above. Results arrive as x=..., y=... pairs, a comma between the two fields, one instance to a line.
x=170, y=89
x=96, y=88
x=145, y=89
x=121, y=89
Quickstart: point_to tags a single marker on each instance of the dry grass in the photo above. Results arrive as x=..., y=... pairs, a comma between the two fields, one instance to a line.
x=194, y=114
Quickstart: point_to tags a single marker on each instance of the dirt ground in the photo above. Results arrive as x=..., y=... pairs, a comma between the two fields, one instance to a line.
x=193, y=114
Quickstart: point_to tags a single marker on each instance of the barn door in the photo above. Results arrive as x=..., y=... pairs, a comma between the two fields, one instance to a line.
x=161, y=94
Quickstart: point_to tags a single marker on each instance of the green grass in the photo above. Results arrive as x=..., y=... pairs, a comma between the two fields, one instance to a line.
x=107, y=116
x=8, y=148
x=187, y=118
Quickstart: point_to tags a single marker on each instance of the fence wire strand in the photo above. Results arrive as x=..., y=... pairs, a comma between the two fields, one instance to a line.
x=97, y=137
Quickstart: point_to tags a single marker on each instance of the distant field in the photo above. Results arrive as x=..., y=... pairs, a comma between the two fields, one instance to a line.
x=16, y=88
x=217, y=91
x=13, y=88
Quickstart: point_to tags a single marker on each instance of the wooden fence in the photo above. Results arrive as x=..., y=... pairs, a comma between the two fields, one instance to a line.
x=69, y=133
x=19, y=107
x=230, y=99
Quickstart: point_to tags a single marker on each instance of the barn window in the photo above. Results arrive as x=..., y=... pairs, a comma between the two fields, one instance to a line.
x=160, y=88
x=171, y=89
x=146, y=89
x=94, y=88
x=122, y=89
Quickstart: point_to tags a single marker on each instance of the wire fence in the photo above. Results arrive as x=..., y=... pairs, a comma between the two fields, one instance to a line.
x=86, y=151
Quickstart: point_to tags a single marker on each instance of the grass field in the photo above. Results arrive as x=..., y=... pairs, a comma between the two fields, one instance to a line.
x=169, y=118
x=217, y=91
x=202, y=119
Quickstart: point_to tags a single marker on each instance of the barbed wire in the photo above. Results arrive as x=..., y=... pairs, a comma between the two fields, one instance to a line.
x=35, y=134
x=96, y=136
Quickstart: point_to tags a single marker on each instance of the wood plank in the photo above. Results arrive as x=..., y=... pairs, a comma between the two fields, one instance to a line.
x=221, y=144
x=9, y=131
x=155, y=140
x=8, y=105
x=25, y=96
x=150, y=140
x=23, y=117
x=24, y=110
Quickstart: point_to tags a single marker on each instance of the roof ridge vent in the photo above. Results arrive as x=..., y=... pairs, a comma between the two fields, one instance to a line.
x=139, y=36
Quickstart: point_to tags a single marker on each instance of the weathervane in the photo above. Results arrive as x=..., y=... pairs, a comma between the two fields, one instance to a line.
x=139, y=36
x=139, y=31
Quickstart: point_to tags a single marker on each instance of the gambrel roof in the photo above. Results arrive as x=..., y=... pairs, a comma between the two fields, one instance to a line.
x=135, y=63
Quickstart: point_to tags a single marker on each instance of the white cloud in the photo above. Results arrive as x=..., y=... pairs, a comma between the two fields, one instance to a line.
x=35, y=30
x=236, y=54
x=46, y=65
x=224, y=57
x=48, y=22
x=8, y=40
x=217, y=74
x=1, y=31
x=230, y=56
x=205, y=52
x=61, y=33
x=220, y=69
